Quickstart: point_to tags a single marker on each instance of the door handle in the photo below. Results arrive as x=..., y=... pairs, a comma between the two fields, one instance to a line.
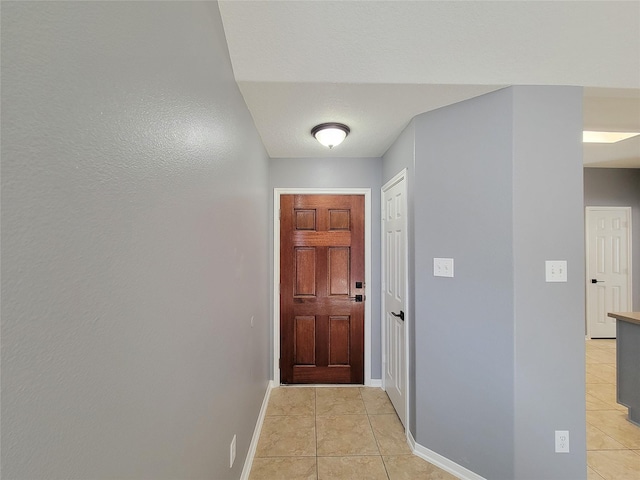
x=593, y=280
x=400, y=315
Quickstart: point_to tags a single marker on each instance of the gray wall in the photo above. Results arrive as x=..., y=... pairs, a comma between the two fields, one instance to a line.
x=548, y=224
x=618, y=187
x=134, y=244
x=464, y=325
x=488, y=392
x=338, y=173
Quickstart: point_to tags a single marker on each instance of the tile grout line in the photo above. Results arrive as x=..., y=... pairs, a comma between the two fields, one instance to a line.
x=386, y=472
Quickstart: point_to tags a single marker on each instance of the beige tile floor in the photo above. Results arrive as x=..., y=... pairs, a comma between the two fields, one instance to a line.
x=613, y=443
x=340, y=433
x=353, y=432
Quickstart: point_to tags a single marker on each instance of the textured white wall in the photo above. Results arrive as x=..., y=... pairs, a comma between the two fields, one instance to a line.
x=134, y=244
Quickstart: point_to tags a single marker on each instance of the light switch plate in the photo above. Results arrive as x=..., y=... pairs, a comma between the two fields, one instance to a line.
x=443, y=267
x=556, y=270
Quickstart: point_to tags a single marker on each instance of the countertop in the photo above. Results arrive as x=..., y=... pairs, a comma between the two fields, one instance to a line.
x=631, y=317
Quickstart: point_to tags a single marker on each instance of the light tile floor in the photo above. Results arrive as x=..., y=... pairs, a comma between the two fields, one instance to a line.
x=337, y=433
x=613, y=443
x=353, y=432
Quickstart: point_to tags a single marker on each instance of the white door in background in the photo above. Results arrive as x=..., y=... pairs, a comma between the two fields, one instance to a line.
x=394, y=292
x=608, y=242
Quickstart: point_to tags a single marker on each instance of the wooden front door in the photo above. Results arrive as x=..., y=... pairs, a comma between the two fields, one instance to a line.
x=322, y=288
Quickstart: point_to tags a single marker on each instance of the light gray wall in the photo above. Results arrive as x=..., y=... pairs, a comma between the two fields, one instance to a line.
x=401, y=155
x=488, y=342
x=618, y=187
x=338, y=173
x=134, y=244
x=464, y=325
x=548, y=224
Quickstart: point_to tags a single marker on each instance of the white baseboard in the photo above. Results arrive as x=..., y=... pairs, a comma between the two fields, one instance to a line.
x=248, y=462
x=441, y=462
x=375, y=382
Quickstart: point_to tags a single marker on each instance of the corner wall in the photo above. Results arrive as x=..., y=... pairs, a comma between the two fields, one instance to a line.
x=134, y=244
x=498, y=187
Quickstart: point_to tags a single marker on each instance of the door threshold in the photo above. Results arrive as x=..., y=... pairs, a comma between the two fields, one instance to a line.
x=321, y=385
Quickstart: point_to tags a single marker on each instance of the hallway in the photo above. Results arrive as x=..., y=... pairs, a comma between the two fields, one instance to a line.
x=321, y=433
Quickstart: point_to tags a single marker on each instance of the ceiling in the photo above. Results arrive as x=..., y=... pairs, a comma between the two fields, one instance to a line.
x=374, y=65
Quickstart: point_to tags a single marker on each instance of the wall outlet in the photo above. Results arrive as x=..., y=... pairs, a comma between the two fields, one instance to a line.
x=232, y=452
x=443, y=267
x=562, y=441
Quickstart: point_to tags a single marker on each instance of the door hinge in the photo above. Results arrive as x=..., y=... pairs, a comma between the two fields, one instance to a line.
x=280, y=364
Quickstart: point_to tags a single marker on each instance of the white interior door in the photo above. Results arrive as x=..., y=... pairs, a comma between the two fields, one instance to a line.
x=608, y=231
x=394, y=291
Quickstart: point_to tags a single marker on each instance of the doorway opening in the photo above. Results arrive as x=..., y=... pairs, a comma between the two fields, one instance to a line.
x=609, y=267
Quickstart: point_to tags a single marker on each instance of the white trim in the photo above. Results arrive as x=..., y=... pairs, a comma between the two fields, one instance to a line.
x=376, y=382
x=248, y=461
x=401, y=176
x=277, y=192
x=629, y=258
x=441, y=462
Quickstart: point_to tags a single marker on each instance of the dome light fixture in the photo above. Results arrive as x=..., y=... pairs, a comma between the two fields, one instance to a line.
x=330, y=134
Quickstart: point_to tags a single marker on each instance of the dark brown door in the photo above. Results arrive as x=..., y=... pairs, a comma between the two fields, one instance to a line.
x=321, y=317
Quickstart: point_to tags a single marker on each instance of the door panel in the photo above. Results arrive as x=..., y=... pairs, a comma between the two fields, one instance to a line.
x=608, y=263
x=339, y=329
x=305, y=331
x=394, y=266
x=321, y=259
x=338, y=271
x=305, y=271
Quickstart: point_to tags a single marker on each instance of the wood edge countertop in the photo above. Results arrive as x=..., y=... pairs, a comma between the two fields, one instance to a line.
x=631, y=317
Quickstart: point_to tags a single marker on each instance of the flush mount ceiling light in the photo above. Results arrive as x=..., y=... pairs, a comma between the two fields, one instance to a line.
x=606, y=137
x=330, y=134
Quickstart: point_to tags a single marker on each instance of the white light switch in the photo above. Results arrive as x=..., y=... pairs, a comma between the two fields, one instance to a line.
x=443, y=267
x=556, y=270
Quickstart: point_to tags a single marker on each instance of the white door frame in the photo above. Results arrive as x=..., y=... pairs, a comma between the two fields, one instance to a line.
x=277, y=192
x=407, y=319
x=588, y=275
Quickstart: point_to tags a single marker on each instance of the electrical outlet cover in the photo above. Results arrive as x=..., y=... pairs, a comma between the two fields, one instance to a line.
x=562, y=441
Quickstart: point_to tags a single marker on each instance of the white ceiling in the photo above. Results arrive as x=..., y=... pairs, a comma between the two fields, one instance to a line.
x=376, y=64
